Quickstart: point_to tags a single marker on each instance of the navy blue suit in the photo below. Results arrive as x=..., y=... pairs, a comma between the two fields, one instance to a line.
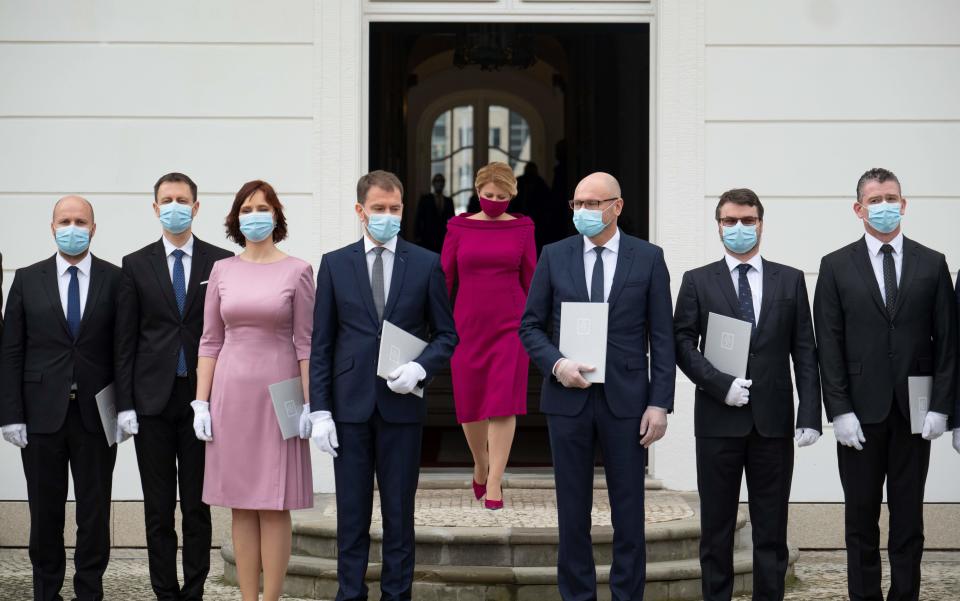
x=640, y=317
x=379, y=431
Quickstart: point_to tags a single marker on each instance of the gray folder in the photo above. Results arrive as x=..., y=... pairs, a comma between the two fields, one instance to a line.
x=397, y=346
x=287, y=397
x=107, y=408
x=919, y=389
x=583, y=336
x=727, y=347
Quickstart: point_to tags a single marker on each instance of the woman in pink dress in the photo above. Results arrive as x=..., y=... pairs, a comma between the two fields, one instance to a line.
x=258, y=320
x=489, y=258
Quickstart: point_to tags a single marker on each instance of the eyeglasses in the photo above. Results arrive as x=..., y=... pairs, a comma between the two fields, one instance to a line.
x=732, y=221
x=589, y=204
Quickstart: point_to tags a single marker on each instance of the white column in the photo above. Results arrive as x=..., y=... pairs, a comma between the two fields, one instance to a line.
x=677, y=208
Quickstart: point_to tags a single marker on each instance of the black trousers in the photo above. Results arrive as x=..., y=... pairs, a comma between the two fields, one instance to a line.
x=392, y=452
x=893, y=454
x=169, y=453
x=46, y=459
x=721, y=463
x=573, y=442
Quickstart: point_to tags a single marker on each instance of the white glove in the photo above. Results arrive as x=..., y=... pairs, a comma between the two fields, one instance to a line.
x=305, y=424
x=739, y=393
x=15, y=434
x=570, y=373
x=127, y=425
x=324, y=432
x=806, y=437
x=934, y=425
x=956, y=440
x=846, y=428
x=202, y=426
x=406, y=377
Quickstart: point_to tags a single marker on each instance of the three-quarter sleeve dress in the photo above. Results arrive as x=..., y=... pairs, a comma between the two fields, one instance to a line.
x=258, y=319
x=489, y=266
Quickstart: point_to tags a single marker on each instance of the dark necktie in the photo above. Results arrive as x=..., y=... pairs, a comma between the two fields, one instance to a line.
x=746, y=295
x=180, y=292
x=376, y=282
x=596, y=283
x=73, y=302
x=889, y=278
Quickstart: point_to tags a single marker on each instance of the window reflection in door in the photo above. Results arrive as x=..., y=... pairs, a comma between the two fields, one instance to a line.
x=451, y=153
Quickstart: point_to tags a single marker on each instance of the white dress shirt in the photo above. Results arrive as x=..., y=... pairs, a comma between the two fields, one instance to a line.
x=387, y=257
x=83, y=278
x=609, y=256
x=187, y=258
x=876, y=259
x=754, y=278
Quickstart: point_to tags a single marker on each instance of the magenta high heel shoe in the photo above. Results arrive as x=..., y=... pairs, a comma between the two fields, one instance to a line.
x=493, y=505
x=479, y=490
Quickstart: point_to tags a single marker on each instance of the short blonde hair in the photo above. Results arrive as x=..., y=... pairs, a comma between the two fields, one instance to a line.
x=498, y=174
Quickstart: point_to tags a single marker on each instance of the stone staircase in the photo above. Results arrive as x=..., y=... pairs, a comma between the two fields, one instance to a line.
x=464, y=552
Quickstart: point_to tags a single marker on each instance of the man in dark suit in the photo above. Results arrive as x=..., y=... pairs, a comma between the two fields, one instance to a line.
x=433, y=212
x=624, y=415
x=377, y=423
x=746, y=424
x=57, y=355
x=884, y=310
x=158, y=326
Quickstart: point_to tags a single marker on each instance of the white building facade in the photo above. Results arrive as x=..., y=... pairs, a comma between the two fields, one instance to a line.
x=794, y=100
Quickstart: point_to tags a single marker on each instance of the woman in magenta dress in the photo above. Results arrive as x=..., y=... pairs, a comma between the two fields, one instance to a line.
x=258, y=320
x=489, y=258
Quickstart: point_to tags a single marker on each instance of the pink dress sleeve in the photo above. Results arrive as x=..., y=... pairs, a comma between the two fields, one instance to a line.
x=212, y=340
x=448, y=258
x=528, y=261
x=303, y=297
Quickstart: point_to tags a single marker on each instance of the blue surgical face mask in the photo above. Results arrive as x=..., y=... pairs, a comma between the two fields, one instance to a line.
x=740, y=238
x=73, y=240
x=256, y=227
x=175, y=217
x=383, y=227
x=589, y=222
x=883, y=216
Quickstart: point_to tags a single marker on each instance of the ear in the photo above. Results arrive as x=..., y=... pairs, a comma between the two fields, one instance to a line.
x=359, y=210
x=857, y=210
x=93, y=230
x=196, y=207
x=903, y=205
x=156, y=209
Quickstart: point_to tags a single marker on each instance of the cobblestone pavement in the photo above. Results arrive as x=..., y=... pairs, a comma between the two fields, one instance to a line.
x=528, y=507
x=820, y=577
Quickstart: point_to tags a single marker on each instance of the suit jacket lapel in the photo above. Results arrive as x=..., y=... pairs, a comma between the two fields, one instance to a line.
x=861, y=259
x=396, y=279
x=93, y=292
x=576, y=269
x=198, y=267
x=52, y=288
x=770, y=280
x=725, y=283
x=624, y=263
x=907, y=271
x=158, y=260
x=363, y=281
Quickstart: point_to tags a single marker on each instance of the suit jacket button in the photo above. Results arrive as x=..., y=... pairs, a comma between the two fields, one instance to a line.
x=890, y=354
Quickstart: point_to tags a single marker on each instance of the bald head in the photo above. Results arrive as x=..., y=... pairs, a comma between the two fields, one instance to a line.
x=597, y=186
x=73, y=205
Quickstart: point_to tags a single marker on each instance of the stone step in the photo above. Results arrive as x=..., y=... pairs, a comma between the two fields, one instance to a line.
x=434, y=479
x=508, y=546
x=316, y=578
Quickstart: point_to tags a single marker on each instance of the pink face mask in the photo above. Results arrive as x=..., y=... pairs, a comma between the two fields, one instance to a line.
x=493, y=208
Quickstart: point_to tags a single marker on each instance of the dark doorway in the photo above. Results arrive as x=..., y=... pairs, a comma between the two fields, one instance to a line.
x=568, y=98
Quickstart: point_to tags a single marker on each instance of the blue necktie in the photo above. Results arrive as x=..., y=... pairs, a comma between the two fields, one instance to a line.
x=73, y=302
x=746, y=295
x=596, y=282
x=180, y=292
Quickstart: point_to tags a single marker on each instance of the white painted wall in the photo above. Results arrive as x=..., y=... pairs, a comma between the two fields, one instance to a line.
x=100, y=97
x=802, y=97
